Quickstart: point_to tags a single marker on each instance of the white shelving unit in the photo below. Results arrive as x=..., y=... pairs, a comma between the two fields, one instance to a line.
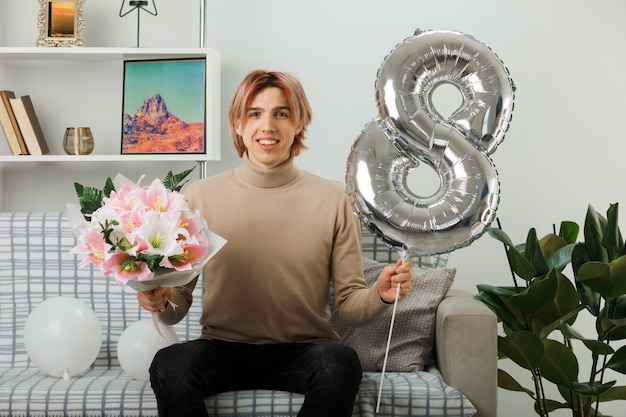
x=83, y=87
x=39, y=56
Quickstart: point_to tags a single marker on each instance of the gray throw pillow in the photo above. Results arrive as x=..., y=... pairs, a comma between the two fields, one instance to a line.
x=413, y=336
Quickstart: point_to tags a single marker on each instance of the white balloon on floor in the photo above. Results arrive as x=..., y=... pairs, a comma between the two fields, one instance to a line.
x=139, y=343
x=62, y=336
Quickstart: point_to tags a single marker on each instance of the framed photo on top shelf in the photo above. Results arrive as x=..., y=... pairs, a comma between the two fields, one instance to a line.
x=164, y=106
x=61, y=23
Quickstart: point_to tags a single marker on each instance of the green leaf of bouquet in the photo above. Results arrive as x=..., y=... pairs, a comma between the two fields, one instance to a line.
x=609, y=280
x=152, y=261
x=593, y=390
x=108, y=187
x=174, y=182
x=506, y=381
x=559, y=364
x=618, y=361
x=90, y=200
x=123, y=243
x=522, y=347
x=79, y=189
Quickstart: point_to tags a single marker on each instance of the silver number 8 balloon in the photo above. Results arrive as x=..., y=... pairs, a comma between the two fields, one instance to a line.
x=409, y=131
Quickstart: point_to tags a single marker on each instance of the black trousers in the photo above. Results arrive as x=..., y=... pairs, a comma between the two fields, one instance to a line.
x=183, y=374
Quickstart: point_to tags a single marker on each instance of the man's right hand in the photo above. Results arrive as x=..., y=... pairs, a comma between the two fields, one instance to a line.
x=154, y=300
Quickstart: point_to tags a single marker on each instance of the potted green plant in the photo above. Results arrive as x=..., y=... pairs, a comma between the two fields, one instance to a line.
x=539, y=310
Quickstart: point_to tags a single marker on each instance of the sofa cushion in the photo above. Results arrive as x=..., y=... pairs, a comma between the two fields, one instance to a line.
x=104, y=391
x=101, y=391
x=413, y=334
x=404, y=394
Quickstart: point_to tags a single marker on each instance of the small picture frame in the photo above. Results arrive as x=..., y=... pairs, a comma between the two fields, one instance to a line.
x=164, y=106
x=60, y=23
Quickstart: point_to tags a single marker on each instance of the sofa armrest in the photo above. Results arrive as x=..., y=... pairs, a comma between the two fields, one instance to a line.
x=466, y=347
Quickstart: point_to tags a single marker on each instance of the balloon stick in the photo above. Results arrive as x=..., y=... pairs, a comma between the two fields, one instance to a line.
x=393, y=319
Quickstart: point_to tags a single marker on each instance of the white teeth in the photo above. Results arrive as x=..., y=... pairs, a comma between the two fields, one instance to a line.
x=267, y=142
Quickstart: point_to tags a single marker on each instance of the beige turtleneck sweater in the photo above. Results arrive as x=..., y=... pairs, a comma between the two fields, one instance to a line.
x=289, y=232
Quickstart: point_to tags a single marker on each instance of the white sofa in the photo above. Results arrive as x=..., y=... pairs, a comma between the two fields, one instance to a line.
x=35, y=264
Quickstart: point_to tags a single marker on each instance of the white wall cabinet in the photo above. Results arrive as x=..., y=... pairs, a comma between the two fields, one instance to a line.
x=84, y=87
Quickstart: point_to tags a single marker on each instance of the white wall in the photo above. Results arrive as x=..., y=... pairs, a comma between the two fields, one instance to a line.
x=564, y=149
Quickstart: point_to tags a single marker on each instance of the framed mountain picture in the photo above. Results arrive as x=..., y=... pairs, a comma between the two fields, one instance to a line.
x=164, y=106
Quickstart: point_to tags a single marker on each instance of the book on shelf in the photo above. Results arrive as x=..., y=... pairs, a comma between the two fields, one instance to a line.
x=29, y=125
x=10, y=125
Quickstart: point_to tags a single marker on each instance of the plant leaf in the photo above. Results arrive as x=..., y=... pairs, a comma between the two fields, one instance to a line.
x=616, y=328
x=520, y=265
x=536, y=295
x=567, y=318
x=594, y=232
x=589, y=298
x=559, y=364
x=618, y=361
x=614, y=393
x=607, y=279
x=554, y=405
x=569, y=231
x=561, y=257
x=492, y=298
x=580, y=256
x=612, y=239
x=591, y=390
x=533, y=252
x=617, y=324
x=500, y=235
x=559, y=307
x=550, y=243
x=595, y=346
x=522, y=347
x=506, y=381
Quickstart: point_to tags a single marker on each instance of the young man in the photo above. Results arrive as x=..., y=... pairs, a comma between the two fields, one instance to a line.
x=265, y=321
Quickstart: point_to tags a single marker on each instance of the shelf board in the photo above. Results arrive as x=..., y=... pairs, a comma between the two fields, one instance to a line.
x=98, y=53
x=105, y=158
